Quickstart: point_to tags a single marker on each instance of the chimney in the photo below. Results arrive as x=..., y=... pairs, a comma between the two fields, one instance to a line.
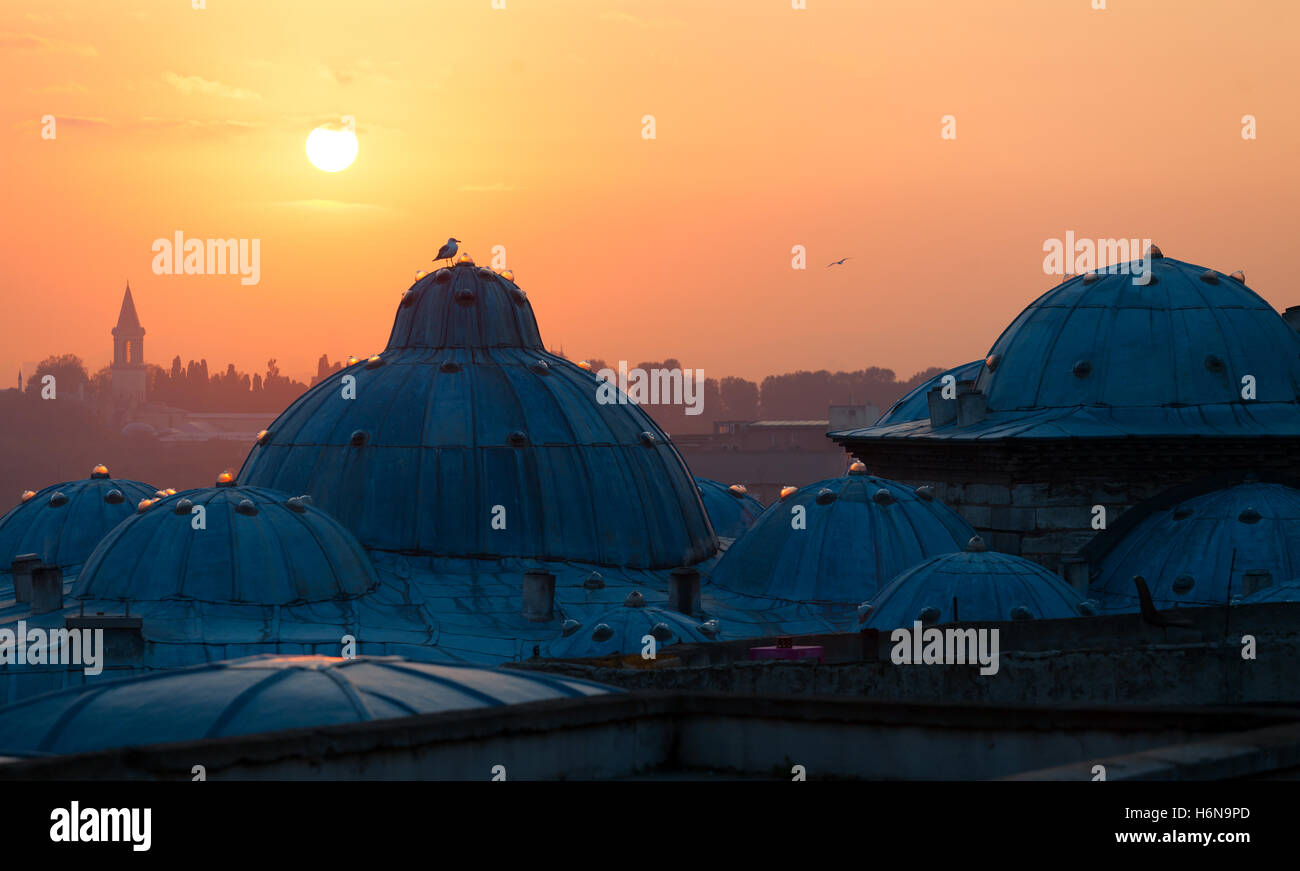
x=684, y=590
x=942, y=411
x=1292, y=317
x=123, y=636
x=47, y=589
x=1254, y=580
x=22, y=572
x=539, y=597
x=971, y=404
x=1076, y=573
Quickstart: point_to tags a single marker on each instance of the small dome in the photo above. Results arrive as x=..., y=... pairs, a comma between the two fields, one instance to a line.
x=62, y=523
x=254, y=547
x=915, y=405
x=621, y=630
x=837, y=541
x=731, y=511
x=987, y=586
x=462, y=445
x=262, y=694
x=1185, y=552
x=465, y=307
x=139, y=429
x=1179, y=341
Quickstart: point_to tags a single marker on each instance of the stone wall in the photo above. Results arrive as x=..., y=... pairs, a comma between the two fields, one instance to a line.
x=1040, y=521
x=1035, y=498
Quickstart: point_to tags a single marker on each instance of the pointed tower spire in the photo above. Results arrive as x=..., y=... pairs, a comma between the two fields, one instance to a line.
x=127, y=320
x=128, y=371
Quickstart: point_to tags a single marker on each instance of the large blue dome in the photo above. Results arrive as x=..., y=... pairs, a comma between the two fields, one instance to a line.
x=1099, y=356
x=860, y=532
x=731, y=509
x=1198, y=551
x=464, y=419
x=255, y=546
x=981, y=585
x=262, y=694
x=1185, y=339
x=62, y=523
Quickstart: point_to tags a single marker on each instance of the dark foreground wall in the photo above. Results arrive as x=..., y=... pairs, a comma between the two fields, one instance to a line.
x=1035, y=498
x=1111, y=660
x=675, y=735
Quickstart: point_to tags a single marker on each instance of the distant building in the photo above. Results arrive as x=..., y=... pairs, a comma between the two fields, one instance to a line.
x=128, y=372
x=766, y=455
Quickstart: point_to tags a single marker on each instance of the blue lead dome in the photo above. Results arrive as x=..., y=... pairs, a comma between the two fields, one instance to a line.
x=62, y=523
x=838, y=540
x=1186, y=339
x=980, y=584
x=263, y=694
x=731, y=509
x=254, y=546
x=622, y=631
x=466, y=439
x=1199, y=551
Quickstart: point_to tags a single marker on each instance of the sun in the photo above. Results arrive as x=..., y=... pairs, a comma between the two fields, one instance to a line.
x=331, y=150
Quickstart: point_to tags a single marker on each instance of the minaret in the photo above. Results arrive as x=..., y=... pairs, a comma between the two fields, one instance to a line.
x=128, y=372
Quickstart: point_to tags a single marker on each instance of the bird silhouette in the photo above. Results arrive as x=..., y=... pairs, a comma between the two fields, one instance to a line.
x=448, y=251
x=838, y=262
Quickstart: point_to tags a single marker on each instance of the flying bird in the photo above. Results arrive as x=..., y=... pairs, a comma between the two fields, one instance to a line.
x=448, y=251
x=837, y=262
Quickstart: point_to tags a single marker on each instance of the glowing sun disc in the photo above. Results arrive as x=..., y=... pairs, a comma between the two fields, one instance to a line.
x=331, y=150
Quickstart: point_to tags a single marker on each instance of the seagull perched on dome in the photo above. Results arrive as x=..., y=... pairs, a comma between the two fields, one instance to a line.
x=448, y=251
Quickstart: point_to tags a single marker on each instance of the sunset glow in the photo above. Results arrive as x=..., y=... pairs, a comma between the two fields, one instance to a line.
x=331, y=150
x=523, y=128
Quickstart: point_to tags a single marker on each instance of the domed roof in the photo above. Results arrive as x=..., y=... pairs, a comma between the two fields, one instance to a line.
x=620, y=631
x=262, y=694
x=1287, y=591
x=985, y=585
x=1198, y=551
x=63, y=522
x=915, y=405
x=838, y=540
x=465, y=307
x=254, y=546
x=1187, y=338
x=731, y=509
x=139, y=429
x=1099, y=356
x=464, y=421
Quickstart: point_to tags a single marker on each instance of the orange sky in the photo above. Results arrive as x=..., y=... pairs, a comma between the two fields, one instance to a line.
x=522, y=128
